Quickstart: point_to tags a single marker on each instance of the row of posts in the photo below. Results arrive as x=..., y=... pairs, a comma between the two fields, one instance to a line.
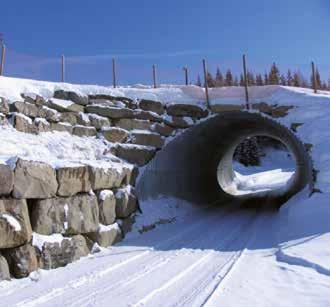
x=154, y=75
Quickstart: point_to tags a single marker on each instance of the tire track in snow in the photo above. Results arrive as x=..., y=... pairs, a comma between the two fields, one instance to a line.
x=205, y=259
x=100, y=273
x=159, y=262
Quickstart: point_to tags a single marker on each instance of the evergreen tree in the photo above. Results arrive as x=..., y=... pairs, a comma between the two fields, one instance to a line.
x=236, y=81
x=283, y=80
x=289, y=78
x=274, y=75
x=219, y=81
x=318, y=78
x=296, y=80
x=241, y=80
x=266, y=79
x=259, y=80
x=209, y=79
x=251, y=79
x=199, y=82
x=248, y=152
x=229, y=78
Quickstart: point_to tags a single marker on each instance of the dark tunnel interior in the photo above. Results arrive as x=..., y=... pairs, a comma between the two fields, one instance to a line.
x=197, y=165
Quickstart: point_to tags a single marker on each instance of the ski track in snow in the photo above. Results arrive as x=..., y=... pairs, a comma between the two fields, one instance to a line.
x=208, y=247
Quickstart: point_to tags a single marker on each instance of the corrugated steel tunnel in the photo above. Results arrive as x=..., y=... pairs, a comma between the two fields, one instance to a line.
x=197, y=165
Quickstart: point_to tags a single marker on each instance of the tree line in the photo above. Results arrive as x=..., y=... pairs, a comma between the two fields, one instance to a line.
x=273, y=77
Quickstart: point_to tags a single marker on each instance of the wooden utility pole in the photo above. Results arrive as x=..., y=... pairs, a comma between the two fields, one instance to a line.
x=154, y=75
x=3, y=57
x=206, y=86
x=186, y=74
x=314, y=78
x=114, y=74
x=62, y=68
x=246, y=83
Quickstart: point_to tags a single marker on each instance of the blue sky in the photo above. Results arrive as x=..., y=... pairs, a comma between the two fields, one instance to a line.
x=168, y=33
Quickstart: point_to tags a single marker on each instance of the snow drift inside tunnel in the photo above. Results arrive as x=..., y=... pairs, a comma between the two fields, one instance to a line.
x=197, y=166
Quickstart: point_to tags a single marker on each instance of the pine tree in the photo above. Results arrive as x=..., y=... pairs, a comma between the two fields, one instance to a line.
x=274, y=75
x=259, y=80
x=266, y=79
x=318, y=78
x=283, y=80
x=248, y=152
x=289, y=78
x=229, y=78
x=251, y=79
x=209, y=79
x=199, y=82
x=241, y=80
x=296, y=80
x=236, y=81
x=219, y=78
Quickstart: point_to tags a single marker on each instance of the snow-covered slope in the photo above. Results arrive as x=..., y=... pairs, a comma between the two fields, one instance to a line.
x=187, y=256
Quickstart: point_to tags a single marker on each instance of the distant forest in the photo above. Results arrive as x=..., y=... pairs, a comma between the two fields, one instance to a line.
x=273, y=77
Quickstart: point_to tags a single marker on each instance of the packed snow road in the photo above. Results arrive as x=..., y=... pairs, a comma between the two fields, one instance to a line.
x=189, y=262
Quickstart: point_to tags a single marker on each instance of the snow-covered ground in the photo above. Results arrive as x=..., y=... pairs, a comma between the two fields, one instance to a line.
x=179, y=254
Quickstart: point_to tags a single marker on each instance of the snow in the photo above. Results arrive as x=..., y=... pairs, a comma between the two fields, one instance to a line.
x=58, y=149
x=182, y=254
x=106, y=228
x=104, y=194
x=62, y=103
x=39, y=240
x=12, y=221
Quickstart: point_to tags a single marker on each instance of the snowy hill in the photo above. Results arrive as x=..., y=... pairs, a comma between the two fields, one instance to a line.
x=187, y=257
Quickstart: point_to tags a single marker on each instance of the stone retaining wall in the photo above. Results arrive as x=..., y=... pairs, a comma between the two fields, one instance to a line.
x=76, y=207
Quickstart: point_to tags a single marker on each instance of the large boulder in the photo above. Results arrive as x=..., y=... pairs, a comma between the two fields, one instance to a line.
x=22, y=260
x=42, y=125
x=28, y=109
x=73, y=215
x=147, y=115
x=69, y=95
x=111, y=112
x=15, y=227
x=132, y=124
x=106, y=235
x=69, y=117
x=162, y=129
x=23, y=123
x=62, y=105
x=107, y=207
x=58, y=254
x=33, y=98
x=4, y=269
x=4, y=107
x=3, y=120
x=126, y=202
x=6, y=180
x=49, y=114
x=136, y=154
x=115, y=134
x=61, y=127
x=84, y=131
x=147, y=138
x=178, y=122
x=34, y=180
x=73, y=180
x=151, y=105
x=184, y=109
x=98, y=121
x=107, y=177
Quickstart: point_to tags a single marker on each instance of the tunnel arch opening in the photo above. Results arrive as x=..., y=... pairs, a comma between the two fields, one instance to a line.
x=197, y=166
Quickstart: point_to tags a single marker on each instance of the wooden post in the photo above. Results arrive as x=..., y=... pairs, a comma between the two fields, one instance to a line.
x=186, y=74
x=246, y=83
x=114, y=74
x=3, y=56
x=314, y=78
x=63, y=68
x=154, y=75
x=205, y=84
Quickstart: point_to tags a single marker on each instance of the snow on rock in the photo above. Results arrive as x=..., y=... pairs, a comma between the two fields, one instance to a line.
x=13, y=222
x=39, y=240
